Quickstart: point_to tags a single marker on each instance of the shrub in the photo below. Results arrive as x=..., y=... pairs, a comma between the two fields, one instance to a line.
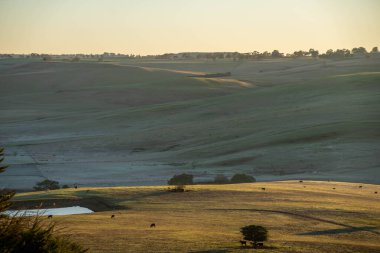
x=46, y=185
x=183, y=179
x=254, y=233
x=242, y=178
x=65, y=186
x=29, y=234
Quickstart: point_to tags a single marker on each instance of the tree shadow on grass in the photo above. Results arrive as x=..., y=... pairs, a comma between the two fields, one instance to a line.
x=234, y=248
x=211, y=251
x=340, y=231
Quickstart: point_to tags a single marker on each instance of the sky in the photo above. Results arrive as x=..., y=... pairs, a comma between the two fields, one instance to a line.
x=162, y=26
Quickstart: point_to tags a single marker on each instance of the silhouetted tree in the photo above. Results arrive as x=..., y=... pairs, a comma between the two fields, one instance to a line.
x=183, y=179
x=242, y=178
x=46, y=185
x=313, y=53
x=359, y=50
x=254, y=233
x=298, y=53
x=375, y=50
x=276, y=54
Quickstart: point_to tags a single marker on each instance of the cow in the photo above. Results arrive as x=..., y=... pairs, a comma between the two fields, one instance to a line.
x=360, y=186
x=243, y=243
x=259, y=244
x=256, y=245
x=375, y=192
x=112, y=216
x=153, y=225
x=50, y=216
x=263, y=189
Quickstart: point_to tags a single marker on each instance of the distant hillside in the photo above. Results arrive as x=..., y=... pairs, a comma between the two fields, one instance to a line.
x=138, y=122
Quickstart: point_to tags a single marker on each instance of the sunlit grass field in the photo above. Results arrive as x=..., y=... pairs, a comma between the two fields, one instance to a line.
x=307, y=216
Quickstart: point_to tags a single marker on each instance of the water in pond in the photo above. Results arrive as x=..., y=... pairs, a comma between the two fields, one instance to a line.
x=49, y=211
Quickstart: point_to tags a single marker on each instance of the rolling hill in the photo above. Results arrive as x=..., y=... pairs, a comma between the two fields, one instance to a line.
x=138, y=122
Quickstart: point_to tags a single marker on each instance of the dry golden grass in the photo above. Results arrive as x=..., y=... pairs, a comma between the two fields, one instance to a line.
x=301, y=217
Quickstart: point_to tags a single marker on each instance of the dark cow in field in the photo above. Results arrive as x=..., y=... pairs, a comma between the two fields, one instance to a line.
x=263, y=189
x=112, y=216
x=50, y=216
x=243, y=243
x=153, y=225
x=360, y=186
x=257, y=245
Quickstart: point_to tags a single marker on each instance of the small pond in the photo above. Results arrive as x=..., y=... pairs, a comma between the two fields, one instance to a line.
x=49, y=211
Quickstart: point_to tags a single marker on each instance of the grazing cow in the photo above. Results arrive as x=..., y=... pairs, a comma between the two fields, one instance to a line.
x=112, y=216
x=76, y=186
x=360, y=186
x=301, y=181
x=257, y=245
x=243, y=243
x=263, y=189
x=50, y=216
x=375, y=192
x=153, y=225
x=334, y=188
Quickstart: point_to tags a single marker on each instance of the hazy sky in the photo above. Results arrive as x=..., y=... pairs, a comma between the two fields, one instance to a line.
x=159, y=26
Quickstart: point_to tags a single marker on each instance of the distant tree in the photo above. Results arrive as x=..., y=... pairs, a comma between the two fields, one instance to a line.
x=276, y=54
x=46, y=185
x=313, y=53
x=242, y=178
x=266, y=54
x=359, y=50
x=329, y=53
x=182, y=179
x=298, y=53
x=254, y=234
x=375, y=50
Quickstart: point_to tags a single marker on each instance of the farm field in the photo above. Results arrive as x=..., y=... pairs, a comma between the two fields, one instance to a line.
x=308, y=216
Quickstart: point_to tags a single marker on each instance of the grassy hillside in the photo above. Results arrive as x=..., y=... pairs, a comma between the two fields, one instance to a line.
x=301, y=217
x=138, y=122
